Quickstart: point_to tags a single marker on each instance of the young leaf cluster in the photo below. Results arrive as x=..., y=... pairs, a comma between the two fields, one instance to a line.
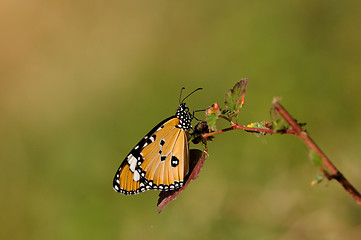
x=233, y=101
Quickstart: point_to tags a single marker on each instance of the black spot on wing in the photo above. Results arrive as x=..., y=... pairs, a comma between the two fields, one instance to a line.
x=174, y=161
x=149, y=141
x=151, y=136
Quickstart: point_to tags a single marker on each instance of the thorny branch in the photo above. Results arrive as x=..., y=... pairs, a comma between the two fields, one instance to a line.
x=327, y=167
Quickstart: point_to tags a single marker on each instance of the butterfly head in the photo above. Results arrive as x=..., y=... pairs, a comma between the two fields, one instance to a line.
x=185, y=118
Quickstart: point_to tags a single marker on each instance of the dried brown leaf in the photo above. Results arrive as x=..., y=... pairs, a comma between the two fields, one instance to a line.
x=196, y=161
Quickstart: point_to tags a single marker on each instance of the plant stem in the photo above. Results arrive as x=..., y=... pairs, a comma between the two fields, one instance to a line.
x=327, y=167
x=249, y=129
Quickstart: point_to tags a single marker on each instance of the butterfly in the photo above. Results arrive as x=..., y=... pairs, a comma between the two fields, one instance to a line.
x=160, y=160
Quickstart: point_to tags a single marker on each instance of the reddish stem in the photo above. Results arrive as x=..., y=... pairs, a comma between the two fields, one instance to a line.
x=250, y=129
x=263, y=130
x=328, y=168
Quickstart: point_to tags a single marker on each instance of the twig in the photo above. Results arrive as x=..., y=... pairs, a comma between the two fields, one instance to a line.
x=249, y=129
x=327, y=167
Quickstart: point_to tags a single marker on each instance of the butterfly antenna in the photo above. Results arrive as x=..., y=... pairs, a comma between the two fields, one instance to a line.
x=180, y=95
x=190, y=94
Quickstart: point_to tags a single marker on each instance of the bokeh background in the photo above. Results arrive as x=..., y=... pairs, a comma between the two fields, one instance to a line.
x=82, y=81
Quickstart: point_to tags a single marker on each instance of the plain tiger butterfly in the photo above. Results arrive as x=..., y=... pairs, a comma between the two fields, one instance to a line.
x=160, y=160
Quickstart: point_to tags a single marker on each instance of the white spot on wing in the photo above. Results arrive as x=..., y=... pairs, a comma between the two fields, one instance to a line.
x=132, y=162
x=136, y=176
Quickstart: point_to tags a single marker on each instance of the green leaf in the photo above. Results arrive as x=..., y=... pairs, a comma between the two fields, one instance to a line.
x=260, y=125
x=234, y=98
x=277, y=122
x=317, y=179
x=212, y=121
x=212, y=115
x=317, y=160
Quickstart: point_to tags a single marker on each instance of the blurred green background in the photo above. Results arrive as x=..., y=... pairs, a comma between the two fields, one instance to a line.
x=82, y=81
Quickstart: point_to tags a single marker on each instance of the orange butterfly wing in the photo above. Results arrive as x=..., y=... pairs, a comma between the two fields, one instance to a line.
x=166, y=160
x=160, y=160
